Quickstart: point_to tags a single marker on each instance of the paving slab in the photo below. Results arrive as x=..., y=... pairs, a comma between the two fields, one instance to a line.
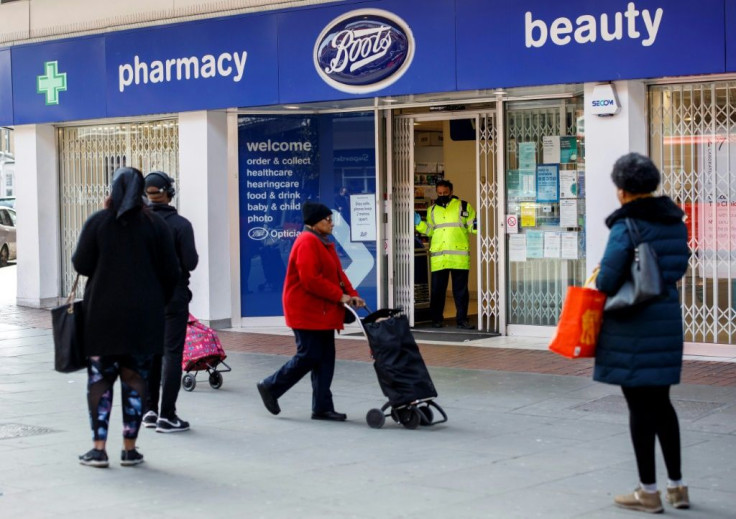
x=517, y=445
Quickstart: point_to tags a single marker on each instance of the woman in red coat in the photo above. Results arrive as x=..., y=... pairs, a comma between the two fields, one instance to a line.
x=315, y=292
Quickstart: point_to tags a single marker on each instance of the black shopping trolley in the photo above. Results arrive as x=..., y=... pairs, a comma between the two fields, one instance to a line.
x=401, y=371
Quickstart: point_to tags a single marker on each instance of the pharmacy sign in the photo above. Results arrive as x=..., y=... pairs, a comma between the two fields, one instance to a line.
x=51, y=83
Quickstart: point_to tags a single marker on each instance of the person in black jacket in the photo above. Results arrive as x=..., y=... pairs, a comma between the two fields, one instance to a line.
x=640, y=348
x=127, y=253
x=166, y=371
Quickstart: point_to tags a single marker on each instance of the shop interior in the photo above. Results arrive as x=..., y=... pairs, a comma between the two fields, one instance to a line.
x=443, y=149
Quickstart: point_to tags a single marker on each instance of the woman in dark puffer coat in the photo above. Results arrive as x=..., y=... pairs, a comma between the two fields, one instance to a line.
x=640, y=348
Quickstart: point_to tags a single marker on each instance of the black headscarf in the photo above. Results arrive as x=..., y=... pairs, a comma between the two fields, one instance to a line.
x=127, y=191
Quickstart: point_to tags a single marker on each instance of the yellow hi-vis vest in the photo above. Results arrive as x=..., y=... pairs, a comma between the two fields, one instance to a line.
x=448, y=229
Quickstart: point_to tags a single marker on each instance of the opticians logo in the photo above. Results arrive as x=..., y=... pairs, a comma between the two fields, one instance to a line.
x=51, y=83
x=364, y=50
x=258, y=233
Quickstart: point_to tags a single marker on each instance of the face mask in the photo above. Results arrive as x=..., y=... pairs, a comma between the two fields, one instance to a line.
x=443, y=200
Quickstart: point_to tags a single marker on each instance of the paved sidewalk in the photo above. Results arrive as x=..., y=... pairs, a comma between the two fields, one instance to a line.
x=520, y=442
x=525, y=355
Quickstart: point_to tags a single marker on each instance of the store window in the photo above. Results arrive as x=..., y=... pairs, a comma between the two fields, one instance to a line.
x=88, y=157
x=285, y=160
x=693, y=142
x=545, y=190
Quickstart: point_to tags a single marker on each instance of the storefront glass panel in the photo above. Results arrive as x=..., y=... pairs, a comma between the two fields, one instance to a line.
x=693, y=142
x=285, y=160
x=545, y=207
x=88, y=157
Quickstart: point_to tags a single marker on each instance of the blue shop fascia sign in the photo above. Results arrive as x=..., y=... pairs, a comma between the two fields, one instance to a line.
x=359, y=49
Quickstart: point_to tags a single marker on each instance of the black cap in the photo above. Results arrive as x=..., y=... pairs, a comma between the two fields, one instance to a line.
x=313, y=212
x=159, y=180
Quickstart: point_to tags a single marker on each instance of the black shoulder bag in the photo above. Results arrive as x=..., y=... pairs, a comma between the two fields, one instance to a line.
x=646, y=280
x=68, y=327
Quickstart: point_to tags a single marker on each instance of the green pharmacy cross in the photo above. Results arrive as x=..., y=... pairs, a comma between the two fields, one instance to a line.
x=51, y=83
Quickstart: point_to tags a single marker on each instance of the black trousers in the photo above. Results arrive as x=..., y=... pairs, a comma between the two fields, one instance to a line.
x=315, y=352
x=165, y=377
x=459, y=293
x=651, y=416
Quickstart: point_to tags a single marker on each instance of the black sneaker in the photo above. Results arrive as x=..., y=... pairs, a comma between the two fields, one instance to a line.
x=95, y=458
x=130, y=458
x=150, y=419
x=170, y=425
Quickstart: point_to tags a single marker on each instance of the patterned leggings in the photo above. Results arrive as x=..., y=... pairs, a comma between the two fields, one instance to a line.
x=101, y=375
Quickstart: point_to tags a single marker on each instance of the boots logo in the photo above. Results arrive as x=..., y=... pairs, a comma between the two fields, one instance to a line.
x=364, y=51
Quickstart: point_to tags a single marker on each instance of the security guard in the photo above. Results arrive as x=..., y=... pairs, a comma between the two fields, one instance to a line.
x=449, y=222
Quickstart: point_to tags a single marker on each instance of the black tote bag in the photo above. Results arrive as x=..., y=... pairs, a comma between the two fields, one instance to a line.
x=67, y=322
x=646, y=280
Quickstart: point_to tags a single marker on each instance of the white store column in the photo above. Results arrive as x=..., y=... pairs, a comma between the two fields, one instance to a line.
x=203, y=200
x=606, y=139
x=37, y=205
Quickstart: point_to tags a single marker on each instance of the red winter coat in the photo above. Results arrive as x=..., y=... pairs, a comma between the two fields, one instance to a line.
x=312, y=288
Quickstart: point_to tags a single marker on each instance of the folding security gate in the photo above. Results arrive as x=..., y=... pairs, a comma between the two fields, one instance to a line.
x=488, y=205
x=88, y=157
x=693, y=142
x=401, y=239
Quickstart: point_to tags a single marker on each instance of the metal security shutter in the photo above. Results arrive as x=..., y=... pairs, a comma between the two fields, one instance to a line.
x=88, y=157
x=693, y=142
x=401, y=262
x=489, y=296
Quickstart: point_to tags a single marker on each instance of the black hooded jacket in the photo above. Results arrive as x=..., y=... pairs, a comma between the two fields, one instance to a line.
x=183, y=234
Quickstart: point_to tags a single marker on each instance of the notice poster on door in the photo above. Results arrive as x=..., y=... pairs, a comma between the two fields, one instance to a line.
x=517, y=247
x=568, y=150
x=552, y=245
x=363, y=217
x=569, y=245
x=551, y=149
x=534, y=244
x=568, y=184
x=528, y=156
x=548, y=182
x=528, y=214
x=569, y=213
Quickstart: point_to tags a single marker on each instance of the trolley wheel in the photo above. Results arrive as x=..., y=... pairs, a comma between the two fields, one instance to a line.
x=426, y=416
x=375, y=418
x=188, y=382
x=395, y=416
x=216, y=380
x=409, y=418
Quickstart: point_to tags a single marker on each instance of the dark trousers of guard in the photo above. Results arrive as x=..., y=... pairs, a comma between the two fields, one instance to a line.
x=165, y=376
x=459, y=293
x=315, y=353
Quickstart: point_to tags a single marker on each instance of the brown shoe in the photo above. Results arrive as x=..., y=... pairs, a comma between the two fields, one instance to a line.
x=678, y=497
x=640, y=501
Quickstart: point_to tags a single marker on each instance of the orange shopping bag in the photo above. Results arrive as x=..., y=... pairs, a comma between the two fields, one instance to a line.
x=580, y=322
